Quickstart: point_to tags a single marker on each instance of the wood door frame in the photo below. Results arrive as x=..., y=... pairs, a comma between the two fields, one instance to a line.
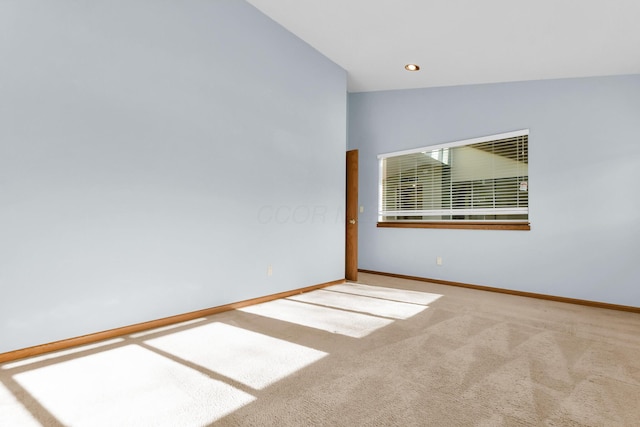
x=351, y=216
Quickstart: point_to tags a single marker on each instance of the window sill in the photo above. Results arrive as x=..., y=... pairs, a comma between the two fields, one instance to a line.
x=460, y=225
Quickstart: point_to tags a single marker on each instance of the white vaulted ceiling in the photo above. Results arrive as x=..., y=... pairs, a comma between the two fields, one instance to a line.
x=458, y=42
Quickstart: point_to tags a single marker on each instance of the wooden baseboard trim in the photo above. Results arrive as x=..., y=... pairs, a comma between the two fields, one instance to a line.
x=138, y=327
x=512, y=292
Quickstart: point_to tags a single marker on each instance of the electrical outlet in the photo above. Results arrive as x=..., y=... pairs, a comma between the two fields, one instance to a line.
x=439, y=260
x=269, y=271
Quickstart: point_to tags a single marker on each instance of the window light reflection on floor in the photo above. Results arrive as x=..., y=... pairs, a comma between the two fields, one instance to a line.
x=392, y=294
x=362, y=304
x=248, y=357
x=130, y=386
x=341, y=322
x=12, y=413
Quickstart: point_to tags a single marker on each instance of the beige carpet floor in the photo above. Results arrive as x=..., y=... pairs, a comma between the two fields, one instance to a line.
x=384, y=352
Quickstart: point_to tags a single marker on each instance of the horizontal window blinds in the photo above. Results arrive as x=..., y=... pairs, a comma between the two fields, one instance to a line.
x=486, y=179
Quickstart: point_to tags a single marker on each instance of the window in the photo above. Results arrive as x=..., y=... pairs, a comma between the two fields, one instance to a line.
x=477, y=183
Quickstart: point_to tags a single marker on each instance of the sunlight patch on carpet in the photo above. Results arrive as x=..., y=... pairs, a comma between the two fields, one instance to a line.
x=248, y=357
x=12, y=413
x=354, y=325
x=393, y=294
x=363, y=304
x=130, y=386
x=57, y=354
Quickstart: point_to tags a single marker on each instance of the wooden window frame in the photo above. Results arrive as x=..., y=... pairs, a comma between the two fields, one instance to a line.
x=457, y=225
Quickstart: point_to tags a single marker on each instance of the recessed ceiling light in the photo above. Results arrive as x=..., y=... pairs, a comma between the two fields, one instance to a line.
x=411, y=67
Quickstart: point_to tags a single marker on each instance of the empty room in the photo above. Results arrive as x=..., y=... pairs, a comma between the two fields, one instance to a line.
x=339, y=213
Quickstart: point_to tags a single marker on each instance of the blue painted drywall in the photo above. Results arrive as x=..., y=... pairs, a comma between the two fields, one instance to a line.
x=155, y=158
x=584, y=153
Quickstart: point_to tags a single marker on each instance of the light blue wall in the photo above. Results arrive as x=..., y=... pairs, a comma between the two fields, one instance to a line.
x=155, y=158
x=584, y=169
